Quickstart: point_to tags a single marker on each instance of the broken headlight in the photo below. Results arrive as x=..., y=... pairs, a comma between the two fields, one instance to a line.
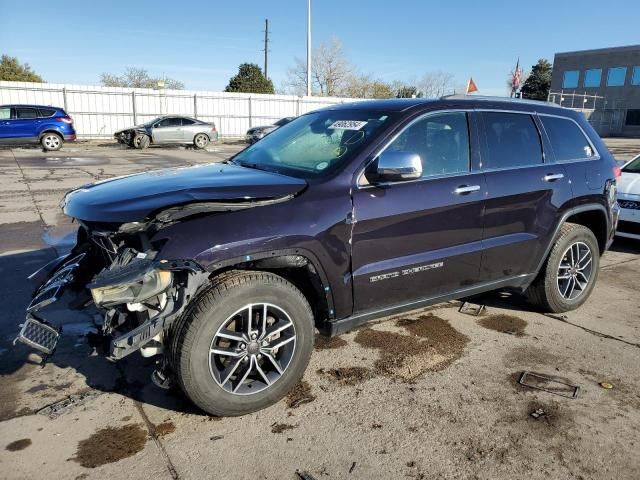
x=150, y=284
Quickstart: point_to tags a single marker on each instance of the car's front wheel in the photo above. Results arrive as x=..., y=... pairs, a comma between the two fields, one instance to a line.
x=201, y=140
x=141, y=141
x=243, y=344
x=569, y=273
x=51, y=141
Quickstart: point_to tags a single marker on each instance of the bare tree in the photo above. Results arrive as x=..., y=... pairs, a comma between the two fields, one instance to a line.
x=436, y=84
x=138, y=78
x=330, y=71
x=363, y=86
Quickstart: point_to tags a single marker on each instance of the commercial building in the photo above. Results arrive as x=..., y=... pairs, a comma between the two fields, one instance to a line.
x=604, y=83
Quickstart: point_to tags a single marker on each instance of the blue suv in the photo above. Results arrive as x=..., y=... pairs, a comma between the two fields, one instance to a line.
x=48, y=126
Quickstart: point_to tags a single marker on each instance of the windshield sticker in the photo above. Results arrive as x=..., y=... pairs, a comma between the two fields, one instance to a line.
x=322, y=165
x=348, y=125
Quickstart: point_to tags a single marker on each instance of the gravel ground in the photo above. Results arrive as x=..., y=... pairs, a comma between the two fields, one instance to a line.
x=429, y=394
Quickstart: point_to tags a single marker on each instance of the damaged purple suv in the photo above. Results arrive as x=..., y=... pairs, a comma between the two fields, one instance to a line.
x=343, y=215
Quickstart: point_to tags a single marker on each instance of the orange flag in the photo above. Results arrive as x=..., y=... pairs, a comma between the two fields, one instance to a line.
x=471, y=86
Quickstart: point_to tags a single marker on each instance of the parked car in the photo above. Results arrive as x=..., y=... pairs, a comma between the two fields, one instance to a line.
x=629, y=200
x=169, y=129
x=256, y=133
x=28, y=124
x=344, y=215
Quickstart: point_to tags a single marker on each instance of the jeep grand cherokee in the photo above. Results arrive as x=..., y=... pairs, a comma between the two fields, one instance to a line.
x=343, y=215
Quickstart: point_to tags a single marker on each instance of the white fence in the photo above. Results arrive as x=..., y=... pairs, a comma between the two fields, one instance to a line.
x=99, y=111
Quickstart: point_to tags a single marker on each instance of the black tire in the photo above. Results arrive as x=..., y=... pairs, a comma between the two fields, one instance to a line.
x=51, y=141
x=200, y=141
x=141, y=141
x=545, y=291
x=189, y=349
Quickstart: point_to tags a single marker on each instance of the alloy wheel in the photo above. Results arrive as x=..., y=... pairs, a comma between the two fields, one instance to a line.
x=201, y=141
x=575, y=270
x=51, y=142
x=252, y=348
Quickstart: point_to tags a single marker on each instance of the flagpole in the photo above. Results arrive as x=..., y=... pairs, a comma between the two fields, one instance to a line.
x=466, y=92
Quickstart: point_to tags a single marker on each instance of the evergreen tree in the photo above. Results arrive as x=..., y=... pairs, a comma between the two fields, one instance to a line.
x=250, y=79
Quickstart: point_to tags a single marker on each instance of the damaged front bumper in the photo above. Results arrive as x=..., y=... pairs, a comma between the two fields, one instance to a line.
x=135, y=296
x=54, y=276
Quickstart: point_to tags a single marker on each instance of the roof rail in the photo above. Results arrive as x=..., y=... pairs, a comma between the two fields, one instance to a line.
x=460, y=96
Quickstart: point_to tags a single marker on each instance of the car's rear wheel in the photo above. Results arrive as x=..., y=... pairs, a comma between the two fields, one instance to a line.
x=243, y=344
x=201, y=140
x=51, y=141
x=141, y=141
x=569, y=273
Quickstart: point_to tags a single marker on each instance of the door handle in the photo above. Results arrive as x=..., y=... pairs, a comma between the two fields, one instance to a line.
x=465, y=189
x=552, y=177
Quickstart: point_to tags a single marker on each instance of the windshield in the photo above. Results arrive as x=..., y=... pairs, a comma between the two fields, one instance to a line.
x=315, y=144
x=151, y=122
x=633, y=166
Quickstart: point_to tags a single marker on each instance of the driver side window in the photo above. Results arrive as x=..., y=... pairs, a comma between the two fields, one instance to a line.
x=168, y=122
x=441, y=141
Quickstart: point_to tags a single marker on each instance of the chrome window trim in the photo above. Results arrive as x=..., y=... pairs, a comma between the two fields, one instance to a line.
x=379, y=152
x=596, y=153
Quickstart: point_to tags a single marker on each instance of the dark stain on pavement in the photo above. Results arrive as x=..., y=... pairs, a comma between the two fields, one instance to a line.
x=18, y=445
x=281, y=427
x=347, y=375
x=503, y=323
x=22, y=236
x=433, y=345
x=110, y=445
x=300, y=394
x=165, y=428
x=323, y=342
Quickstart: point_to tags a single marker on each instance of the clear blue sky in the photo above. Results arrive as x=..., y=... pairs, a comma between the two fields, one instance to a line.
x=202, y=43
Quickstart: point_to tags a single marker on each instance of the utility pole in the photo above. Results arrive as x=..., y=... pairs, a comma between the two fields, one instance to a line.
x=308, y=48
x=266, y=46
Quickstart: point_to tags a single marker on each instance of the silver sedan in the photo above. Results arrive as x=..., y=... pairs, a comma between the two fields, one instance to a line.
x=169, y=130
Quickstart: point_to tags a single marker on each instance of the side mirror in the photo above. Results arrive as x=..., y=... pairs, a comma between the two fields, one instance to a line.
x=398, y=166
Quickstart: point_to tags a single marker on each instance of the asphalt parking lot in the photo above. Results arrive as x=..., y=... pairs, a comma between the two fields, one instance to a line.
x=430, y=394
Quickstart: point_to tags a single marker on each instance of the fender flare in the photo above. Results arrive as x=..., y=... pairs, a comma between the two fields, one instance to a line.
x=303, y=252
x=49, y=130
x=572, y=211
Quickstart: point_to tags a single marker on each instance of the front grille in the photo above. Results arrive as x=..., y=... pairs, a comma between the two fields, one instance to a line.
x=630, y=204
x=629, y=227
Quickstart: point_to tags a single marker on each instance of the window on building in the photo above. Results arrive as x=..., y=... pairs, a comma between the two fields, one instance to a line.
x=567, y=140
x=513, y=140
x=615, y=77
x=635, y=78
x=441, y=141
x=570, y=79
x=592, y=77
x=633, y=118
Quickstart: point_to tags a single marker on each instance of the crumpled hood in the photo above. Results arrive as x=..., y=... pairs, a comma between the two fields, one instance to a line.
x=135, y=197
x=629, y=183
x=135, y=127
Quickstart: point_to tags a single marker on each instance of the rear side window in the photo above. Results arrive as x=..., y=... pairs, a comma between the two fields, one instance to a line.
x=513, y=140
x=187, y=121
x=26, y=112
x=5, y=113
x=567, y=140
x=47, y=112
x=441, y=141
